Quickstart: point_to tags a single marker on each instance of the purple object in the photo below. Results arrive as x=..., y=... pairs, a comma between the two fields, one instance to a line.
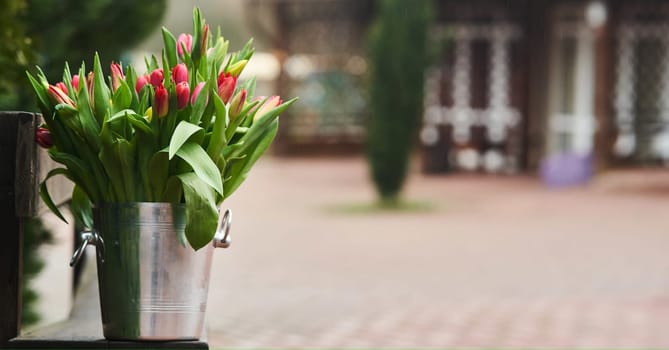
x=567, y=169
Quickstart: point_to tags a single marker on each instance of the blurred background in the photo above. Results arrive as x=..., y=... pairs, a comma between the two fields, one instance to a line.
x=473, y=173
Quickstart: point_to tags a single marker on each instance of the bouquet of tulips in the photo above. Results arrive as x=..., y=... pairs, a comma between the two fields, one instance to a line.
x=188, y=131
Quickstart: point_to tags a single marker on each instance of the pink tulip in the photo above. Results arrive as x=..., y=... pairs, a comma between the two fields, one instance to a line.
x=237, y=104
x=141, y=81
x=226, y=86
x=59, y=96
x=183, y=93
x=184, y=40
x=61, y=86
x=43, y=138
x=269, y=105
x=117, y=75
x=196, y=92
x=161, y=102
x=75, y=82
x=157, y=77
x=180, y=73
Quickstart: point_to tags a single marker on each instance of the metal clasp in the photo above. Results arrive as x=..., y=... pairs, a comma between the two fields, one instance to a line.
x=222, y=236
x=89, y=236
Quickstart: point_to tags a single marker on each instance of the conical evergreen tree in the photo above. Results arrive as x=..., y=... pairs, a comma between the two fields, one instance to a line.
x=398, y=45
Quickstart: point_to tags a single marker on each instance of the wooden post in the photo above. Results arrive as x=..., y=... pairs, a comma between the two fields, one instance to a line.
x=537, y=28
x=18, y=169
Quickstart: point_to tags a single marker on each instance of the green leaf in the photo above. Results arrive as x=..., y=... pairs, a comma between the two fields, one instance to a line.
x=202, y=165
x=44, y=191
x=250, y=86
x=100, y=91
x=110, y=162
x=201, y=212
x=122, y=97
x=81, y=207
x=77, y=169
x=42, y=95
x=170, y=47
x=239, y=169
x=218, y=139
x=181, y=134
x=258, y=127
x=157, y=174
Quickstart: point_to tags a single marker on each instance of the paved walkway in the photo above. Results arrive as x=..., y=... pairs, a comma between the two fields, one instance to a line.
x=499, y=262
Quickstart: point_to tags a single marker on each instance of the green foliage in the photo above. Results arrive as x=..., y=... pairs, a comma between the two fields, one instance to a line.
x=159, y=142
x=15, y=54
x=50, y=32
x=398, y=57
x=73, y=30
x=34, y=235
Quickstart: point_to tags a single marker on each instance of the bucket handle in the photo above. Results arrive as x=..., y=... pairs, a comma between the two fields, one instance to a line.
x=88, y=236
x=222, y=236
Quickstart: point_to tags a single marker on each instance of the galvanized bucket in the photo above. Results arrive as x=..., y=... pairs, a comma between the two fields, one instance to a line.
x=153, y=285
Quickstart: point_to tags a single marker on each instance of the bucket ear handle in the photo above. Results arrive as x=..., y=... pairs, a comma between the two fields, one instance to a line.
x=88, y=236
x=222, y=236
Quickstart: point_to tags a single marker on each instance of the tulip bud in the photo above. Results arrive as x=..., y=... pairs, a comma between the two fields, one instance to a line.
x=90, y=85
x=237, y=68
x=59, y=96
x=226, y=86
x=184, y=40
x=43, y=137
x=196, y=92
x=75, y=82
x=269, y=105
x=161, y=101
x=183, y=93
x=62, y=86
x=157, y=77
x=117, y=75
x=204, y=40
x=180, y=73
x=141, y=81
x=237, y=104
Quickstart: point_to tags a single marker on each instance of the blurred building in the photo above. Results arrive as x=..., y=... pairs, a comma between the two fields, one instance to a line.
x=565, y=86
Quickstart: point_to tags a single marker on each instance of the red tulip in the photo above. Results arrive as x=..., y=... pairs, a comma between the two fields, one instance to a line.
x=117, y=75
x=226, y=86
x=75, y=82
x=237, y=104
x=90, y=85
x=161, y=102
x=141, y=81
x=196, y=92
x=180, y=73
x=183, y=93
x=184, y=40
x=204, y=40
x=157, y=77
x=43, y=137
x=59, y=96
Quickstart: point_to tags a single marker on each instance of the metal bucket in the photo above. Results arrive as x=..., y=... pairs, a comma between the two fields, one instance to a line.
x=153, y=285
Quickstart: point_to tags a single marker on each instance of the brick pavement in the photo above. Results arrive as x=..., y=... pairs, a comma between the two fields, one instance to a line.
x=499, y=262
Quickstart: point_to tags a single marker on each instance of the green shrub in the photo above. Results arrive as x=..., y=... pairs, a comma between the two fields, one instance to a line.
x=398, y=44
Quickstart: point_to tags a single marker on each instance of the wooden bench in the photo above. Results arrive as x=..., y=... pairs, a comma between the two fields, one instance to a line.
x=19, y=176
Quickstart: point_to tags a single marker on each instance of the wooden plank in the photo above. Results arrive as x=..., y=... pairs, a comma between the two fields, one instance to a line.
x=12, y=231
